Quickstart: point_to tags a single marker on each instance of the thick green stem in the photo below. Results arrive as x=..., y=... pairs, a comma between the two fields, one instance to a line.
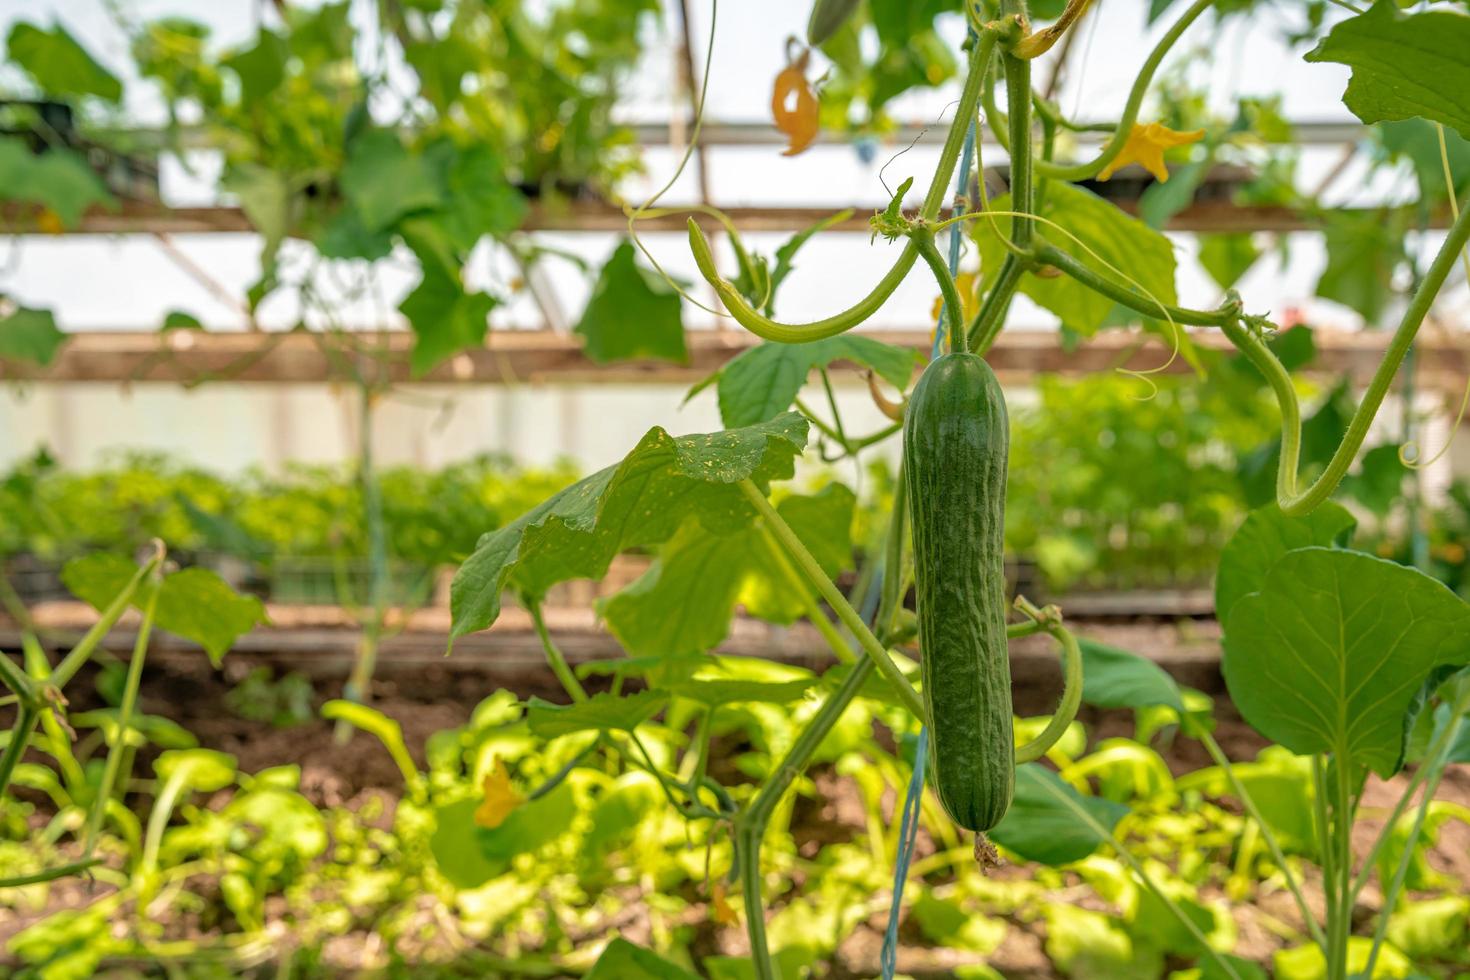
x=20, y=737
x=992, y=314
x=848, y=615
x=1048, y=254
x=80, y=653
x=965, y=112
x=125, y=709
x=795, y=333
x=1277, y=855
x=750, y=826
x=929, y=252
x=1436, y=763
x=1296, y=502
x=1066, y=711
x=1327, y=852
x=1116, y=142
x=554, y=657
x=1018, y=96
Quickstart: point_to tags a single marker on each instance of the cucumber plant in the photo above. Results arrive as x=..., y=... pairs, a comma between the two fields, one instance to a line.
x=1357, y=663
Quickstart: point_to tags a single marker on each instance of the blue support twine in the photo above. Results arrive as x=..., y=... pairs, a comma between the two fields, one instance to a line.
x=967, y=159
x=908, y=834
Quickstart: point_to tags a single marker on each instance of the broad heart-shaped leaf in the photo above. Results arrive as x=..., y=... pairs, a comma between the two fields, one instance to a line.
x=639, y=502
x=1264, y=538
x=1114, y=678
x=684, y=602
x=632, y=313
x=1328, y=655
x=59, y=64
x=445, y=318
x=1125, y=242
x=601, y=712
x=30, y=335
x=57, y=179
x=1403, y=65
x=1050, y=822
x=621, y=960
x=195, y=603
x=762, y=382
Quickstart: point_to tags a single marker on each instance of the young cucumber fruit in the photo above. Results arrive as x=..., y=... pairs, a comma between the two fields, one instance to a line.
x=955, y=440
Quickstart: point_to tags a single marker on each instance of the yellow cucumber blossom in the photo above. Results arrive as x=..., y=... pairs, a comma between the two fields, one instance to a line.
x=500, y=798
x=1146, y=146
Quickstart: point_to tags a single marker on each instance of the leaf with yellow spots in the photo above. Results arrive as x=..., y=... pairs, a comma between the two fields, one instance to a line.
x=501, y=798
x=1146, y=145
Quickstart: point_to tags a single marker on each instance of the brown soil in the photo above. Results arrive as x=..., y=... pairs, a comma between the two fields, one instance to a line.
x=436, y=697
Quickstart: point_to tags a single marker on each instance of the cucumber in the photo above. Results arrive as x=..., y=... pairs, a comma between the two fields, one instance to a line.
x=827, y=19
x=956, y=436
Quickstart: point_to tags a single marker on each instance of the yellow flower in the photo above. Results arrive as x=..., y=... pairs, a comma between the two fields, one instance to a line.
x=720, y=908
x=1146, y=146
x=968, y=285
x=500, y=798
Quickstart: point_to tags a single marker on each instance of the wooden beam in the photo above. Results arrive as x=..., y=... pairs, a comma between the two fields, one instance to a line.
x=595, y=216
x=540, y=356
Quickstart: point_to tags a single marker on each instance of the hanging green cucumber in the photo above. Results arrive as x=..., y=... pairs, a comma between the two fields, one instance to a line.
x=956, y=436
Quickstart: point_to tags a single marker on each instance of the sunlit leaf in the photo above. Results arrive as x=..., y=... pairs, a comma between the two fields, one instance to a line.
x=1264, y=538
x=621, y=960
x=1327, y=656
x=1050, y=822
x=601, y=712
x=1404, y=65
x=1105, y=231
x=639, y=502
x=195, y=603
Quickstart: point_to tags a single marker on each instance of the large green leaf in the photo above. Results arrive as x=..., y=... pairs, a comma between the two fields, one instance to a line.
x=195, y=603
x=57, y=179
x=1125, y=242
x=762, y=382
x=1264, y=538
x=639, y=502
x=383, y=180
x=445, y=318
x=624, y=961
x=1328, y=655
x=1378, y=481
x=482, y=200
x=1404, y=65
x=30, y=335
x=59, y=64
x=1114, y=678
x=1363, y=250
x=601, y=712
x=633, y=313
x=685, y=601
x=1050, y=822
